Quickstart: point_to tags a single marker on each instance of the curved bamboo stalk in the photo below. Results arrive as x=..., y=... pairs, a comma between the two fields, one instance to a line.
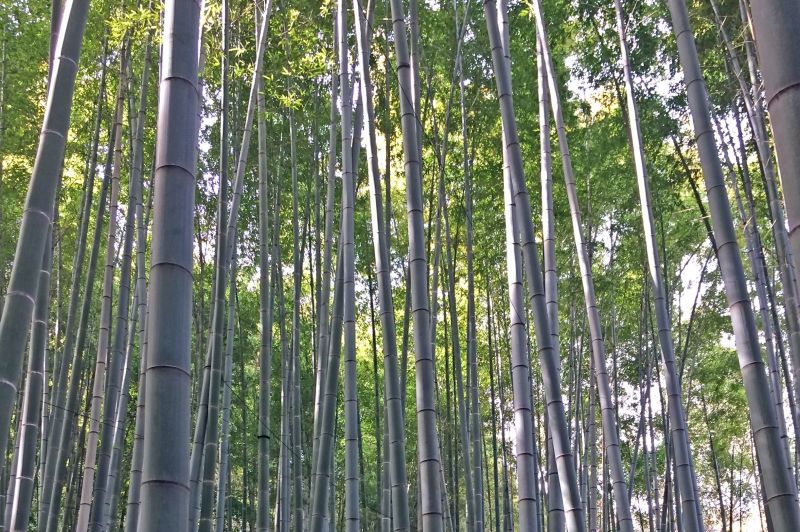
x=548, y=353
x=37, y=216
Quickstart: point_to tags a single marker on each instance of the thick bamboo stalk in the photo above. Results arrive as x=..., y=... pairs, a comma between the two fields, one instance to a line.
x=774, y=26
x=165, y=475
x=32, y=402
x=21, y=292
x=779, y=488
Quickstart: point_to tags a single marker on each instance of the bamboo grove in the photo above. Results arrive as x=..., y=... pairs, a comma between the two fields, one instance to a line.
x=387, y=265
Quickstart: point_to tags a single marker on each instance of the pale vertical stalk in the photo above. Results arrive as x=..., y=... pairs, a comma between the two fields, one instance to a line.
x=265, y=314
x=135, y=478
x=394, y=425
x=323, y=482
x=457, y=369
x=351, y=415
x=493, y=410
x=118, y=359
x=210, y=443
x=555, y=521
x=114, y=477
x=283, y=513
x=472, y=348
x=224, y=451
x=140, y=290
x=592, y=459
x=607, y=409
x=324, y=304
x=134, y=482
x=297, y=277
x=779, y=489
x=427, y=433
x=104, y=333
x=685, y=474
x=224, y=253
x=520, y=372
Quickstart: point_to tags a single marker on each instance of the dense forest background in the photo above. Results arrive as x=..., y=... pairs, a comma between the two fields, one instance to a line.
x=281, y=232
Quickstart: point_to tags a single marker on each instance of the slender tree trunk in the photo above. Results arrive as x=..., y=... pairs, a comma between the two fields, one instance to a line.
x=324, y=481
x=64, y=433
x=224, y=451
x=135, y=479
x=324, y=304
x=547, y=352
x=117, y=367
x=211, y=418
x=463, y=417
x=591, y=488
x=555, y=521
x=114, y=483
x=394, y=413
x=265, y=310
x=101, y=371
x=680, y=441
x=427, y=433
x=472, y=354
x=607, y=405
x=142, y=219
x=351, y=415
x=495, y=476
